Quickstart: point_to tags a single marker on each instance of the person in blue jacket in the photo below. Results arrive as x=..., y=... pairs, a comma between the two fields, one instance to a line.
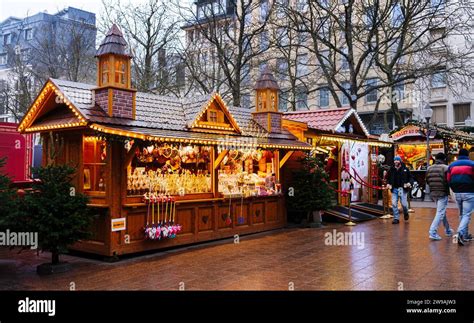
x=460, y=177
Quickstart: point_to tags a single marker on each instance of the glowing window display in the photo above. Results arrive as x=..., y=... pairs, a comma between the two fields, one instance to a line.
x=249, y=173
x=169, y=169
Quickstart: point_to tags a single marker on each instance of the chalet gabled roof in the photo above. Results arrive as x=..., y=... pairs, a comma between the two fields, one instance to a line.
x=156, y=114
x=325, y=119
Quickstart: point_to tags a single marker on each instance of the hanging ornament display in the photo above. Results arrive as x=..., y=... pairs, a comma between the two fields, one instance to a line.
x=165, y=226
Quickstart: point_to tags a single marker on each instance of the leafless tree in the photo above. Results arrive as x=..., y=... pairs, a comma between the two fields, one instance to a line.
x=151, y=31
x=292, y=65
x=416, y=43
x=18, y=91
x=64, y=50
x=234, y=37
x=353, y=41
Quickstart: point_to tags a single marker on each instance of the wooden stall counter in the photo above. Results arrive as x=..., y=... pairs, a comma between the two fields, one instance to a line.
x=201, y=220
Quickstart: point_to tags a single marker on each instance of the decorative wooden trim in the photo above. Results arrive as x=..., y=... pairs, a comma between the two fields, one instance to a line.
x=276, y=161
x=110, y=102
x=286, y=157
x=134, y=105
x=104, y=206
x=219, y=158
x=269, y=122
x=216, y=99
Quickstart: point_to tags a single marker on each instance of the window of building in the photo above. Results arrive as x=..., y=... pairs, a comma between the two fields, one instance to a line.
x=29, y=34
x=438, y=5
x=213, y=116
x=245, y=101
x=325, y=27
x=397, y=15
x=438, y=80
x=283, y=101
x=245, y=74
x=398, y=91
x=344, y=61
x=7, y=39
x=302, y=5
x=248, y=18
x=3, y=108
x=190, y=36
x=264, y=10
x=281, y=6
x=25, y=54
x=324, y=97
x=282, y=36
x=264, y=41
x=219, y=7
x=94, y=157
x=324, y=3
x=372, y=95
x=105, y=72
x=3, y=59
x=369, y=16
x=461, y=112
x=369, y=59
x=439, y=114
x=3, y=85
x=282, y=68
x=301, y=98
x=262, y=67
x=325, y=56
x=301, y=65
x=200, y=12
x=344, y=97
x=302, y=34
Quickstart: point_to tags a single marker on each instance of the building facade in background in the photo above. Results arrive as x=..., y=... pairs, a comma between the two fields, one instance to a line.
x=40, y=46
x=300, y=74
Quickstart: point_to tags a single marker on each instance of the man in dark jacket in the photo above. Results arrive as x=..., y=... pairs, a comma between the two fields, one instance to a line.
x=436, y=179
x=399, y=181
x=461, y=180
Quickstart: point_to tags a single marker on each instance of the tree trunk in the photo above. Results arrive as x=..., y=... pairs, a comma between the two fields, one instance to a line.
x=396, y=114
x=55, y=257
x=236, y=97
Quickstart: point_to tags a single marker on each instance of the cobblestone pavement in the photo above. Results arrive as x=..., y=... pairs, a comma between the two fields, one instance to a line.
x=392, y=257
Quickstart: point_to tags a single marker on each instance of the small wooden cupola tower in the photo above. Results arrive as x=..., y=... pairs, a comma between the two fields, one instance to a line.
x=114, y=93
x=266, y=102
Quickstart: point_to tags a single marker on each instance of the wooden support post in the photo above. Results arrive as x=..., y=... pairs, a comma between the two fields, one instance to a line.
x=214, y=175
x=276, y=164
x=219, y=159
x=130, y=154
x=286, y=157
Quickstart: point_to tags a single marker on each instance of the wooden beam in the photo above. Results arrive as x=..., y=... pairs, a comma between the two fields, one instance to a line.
x=286, y=157
x=219, y=158
x=130, y=154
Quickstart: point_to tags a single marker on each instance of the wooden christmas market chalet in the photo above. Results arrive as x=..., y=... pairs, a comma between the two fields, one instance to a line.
x=217, y=167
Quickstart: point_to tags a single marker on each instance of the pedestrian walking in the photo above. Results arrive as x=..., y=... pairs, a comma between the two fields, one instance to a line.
x=437, y=180
x=461, y=180
x=399, y=182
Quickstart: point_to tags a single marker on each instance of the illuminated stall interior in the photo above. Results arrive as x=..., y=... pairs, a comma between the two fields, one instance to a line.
x=411, y=144
x=340, y=134
x=213, y=169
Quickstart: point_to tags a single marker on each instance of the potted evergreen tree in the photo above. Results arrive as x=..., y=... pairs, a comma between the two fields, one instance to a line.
x=57, y=213
x=309, y=191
